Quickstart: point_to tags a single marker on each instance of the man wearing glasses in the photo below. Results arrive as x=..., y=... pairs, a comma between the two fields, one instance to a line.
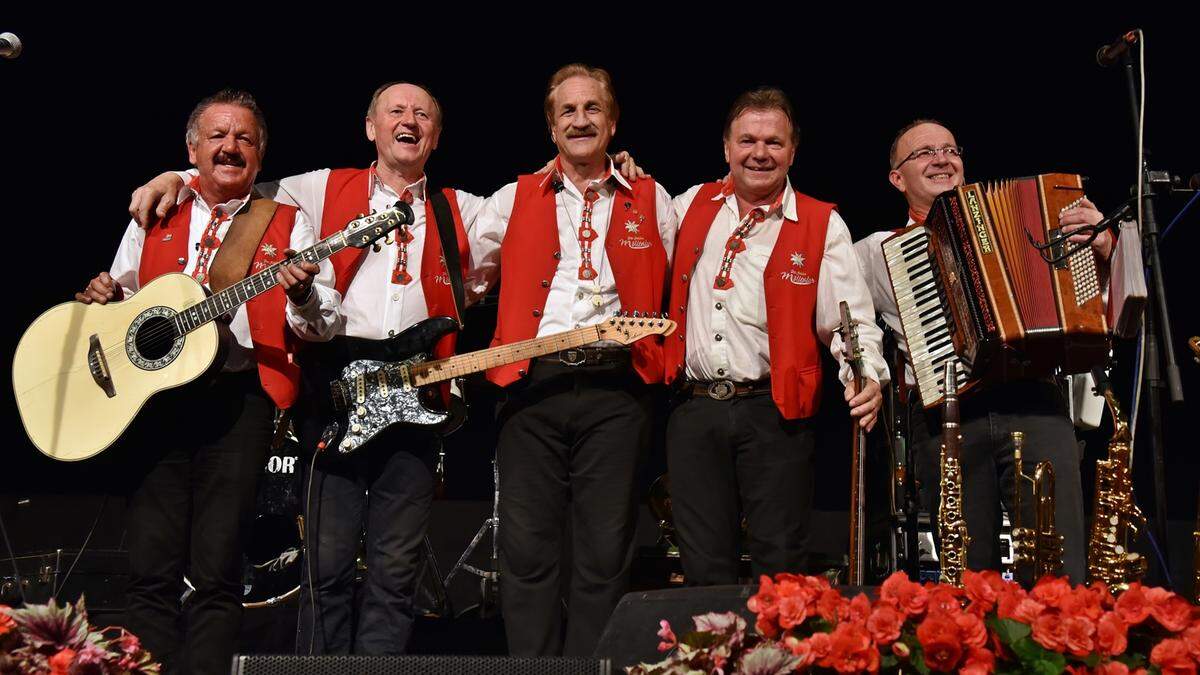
x=926, y=161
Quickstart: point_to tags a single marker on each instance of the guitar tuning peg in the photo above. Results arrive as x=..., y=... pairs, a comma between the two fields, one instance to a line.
x=376, y=247
x=372, y=211
x=390, y=239
x=636, y=314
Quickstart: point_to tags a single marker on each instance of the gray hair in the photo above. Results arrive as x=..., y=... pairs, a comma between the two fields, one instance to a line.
x=238, y=97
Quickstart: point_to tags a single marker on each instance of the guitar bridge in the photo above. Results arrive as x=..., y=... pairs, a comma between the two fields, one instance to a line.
x=98, y=366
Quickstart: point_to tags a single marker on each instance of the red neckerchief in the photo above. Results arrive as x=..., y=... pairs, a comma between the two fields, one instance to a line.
x=737, y=240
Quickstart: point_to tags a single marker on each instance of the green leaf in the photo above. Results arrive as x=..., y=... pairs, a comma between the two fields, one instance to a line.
x=887, y=661
x=700, y=639
x=1008, y=630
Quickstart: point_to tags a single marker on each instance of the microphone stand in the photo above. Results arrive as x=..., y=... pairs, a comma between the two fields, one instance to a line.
x=1157, y=327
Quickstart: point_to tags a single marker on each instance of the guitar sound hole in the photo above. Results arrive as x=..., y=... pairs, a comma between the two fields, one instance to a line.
x=154, y=338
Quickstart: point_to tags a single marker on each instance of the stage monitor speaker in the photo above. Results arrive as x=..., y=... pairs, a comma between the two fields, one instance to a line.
x=417, y=665
x=631, y=636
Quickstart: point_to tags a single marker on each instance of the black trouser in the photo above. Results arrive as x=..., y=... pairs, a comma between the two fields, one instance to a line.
x=735, y=457
x=190, y=511
x=385, y=487
x=1036, y=408
x=568, y=450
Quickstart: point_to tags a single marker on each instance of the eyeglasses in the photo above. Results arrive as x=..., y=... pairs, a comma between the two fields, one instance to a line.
x=928, y=154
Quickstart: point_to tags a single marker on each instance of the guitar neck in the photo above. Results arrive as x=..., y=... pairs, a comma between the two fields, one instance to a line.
x=432, y=372
x=252, y=286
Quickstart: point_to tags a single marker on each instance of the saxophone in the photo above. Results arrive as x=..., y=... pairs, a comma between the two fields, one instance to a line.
x=1115, y=516
x=952, y=526
x=1040, y=547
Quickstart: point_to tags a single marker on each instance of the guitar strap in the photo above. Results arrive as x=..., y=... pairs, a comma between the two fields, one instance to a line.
x=232, y=260
x=448, y=236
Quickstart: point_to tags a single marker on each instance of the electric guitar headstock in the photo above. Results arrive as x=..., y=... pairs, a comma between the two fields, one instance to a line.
x=627, y=328
x=366, y=230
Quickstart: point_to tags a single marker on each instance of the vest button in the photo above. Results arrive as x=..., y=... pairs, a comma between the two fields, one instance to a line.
x=537, y=312
x=682, y=309
x=684, y=277
x=697, y=250
x=182, y=261
x=545, y=283
x=681, y=335
x=558, y=255
x=521, y=372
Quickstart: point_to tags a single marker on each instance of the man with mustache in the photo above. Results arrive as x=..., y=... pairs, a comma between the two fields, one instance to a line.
x=575, y=246
x=760, y=269
x=191, y=505
x=372, y=295
x=925, y=161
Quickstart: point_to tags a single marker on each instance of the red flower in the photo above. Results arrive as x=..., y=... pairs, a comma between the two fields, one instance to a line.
x=971, y=630
x=851, y=650
x=884, y=624
x=6, y=621
x=832, y=606
x=904, y=595
x=1110, y=635
x=1191, y=638
x=1050, y=631
x=1100, y=590
x=765, y=602
x=1028, y=610
x=802, y=649
x=979, y=662
x=981, y=591
x=793, y=610
x=1051, y=591
x=668, y=636
x=1079, y=635
x=860, y=608
x=1082, y=602
x=938, y=635
x=820, y=644
x=1133, y=606
x=1110, y=668
x=945, y=599
x=766, y=627
x=60, y=663
x=1172, y=658
x=1172, y=612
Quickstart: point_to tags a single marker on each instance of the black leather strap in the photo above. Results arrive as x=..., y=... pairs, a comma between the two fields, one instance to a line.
x=448, y=236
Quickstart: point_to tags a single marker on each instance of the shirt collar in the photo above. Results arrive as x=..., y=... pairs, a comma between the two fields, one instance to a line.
x=556, y=174
x=227, y=209
x=786, y=202
x=376, y=183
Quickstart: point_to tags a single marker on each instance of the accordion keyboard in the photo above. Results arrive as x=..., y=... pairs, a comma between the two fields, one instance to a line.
x=927, y=323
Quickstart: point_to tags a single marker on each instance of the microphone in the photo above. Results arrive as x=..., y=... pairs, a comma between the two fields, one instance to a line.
x=10, y=46
x=1109, y=54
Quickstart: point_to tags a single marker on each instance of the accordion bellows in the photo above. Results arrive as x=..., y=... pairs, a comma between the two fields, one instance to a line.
x=972, y=287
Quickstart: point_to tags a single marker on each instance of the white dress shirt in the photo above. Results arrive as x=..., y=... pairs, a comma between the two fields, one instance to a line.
x=573, y=302
x=374, y=307
x=129, y=256
x=739, y=314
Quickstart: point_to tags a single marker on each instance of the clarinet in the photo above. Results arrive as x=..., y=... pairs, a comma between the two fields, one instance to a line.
x=952, y=526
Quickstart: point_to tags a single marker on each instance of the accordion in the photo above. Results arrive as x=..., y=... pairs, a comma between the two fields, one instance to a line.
x=971, y=286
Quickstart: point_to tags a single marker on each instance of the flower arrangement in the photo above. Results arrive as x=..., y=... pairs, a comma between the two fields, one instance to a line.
x=59, y=640
x=988, y=626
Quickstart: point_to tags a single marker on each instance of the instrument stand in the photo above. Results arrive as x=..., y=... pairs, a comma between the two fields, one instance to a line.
x=489, y=580
x=1158, y=330
x=437, y=600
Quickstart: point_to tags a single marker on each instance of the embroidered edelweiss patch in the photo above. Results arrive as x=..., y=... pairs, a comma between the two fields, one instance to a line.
x=268, y=250
x=631, y=226
x=798, y=259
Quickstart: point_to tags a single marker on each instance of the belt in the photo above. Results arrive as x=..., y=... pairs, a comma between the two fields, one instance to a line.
x=588, y=356
x=723, y=390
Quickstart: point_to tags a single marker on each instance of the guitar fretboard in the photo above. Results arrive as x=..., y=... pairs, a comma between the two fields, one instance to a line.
x=431, y=372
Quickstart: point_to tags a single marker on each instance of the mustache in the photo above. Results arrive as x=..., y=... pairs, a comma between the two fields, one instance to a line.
x=589, y=130
x=229, y=159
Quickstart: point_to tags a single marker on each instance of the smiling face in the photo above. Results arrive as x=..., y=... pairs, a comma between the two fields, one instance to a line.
x=580, y=118
x=227, y=150
x=759, y=148
x=922, y=179
x=405, y=126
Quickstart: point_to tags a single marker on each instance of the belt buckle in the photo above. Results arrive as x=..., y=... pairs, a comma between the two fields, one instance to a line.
x=572, y=357
x=721, y=390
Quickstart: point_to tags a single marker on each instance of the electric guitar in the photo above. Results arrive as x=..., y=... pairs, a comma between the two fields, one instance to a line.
x=400, y=387
x=81, y=373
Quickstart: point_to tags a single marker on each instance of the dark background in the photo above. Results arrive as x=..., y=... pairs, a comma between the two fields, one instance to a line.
x=96, y=105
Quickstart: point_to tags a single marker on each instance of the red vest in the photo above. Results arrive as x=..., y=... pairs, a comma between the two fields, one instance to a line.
x=791, y=294
x=529, y=257
x=166, y=251
x=347, y=194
